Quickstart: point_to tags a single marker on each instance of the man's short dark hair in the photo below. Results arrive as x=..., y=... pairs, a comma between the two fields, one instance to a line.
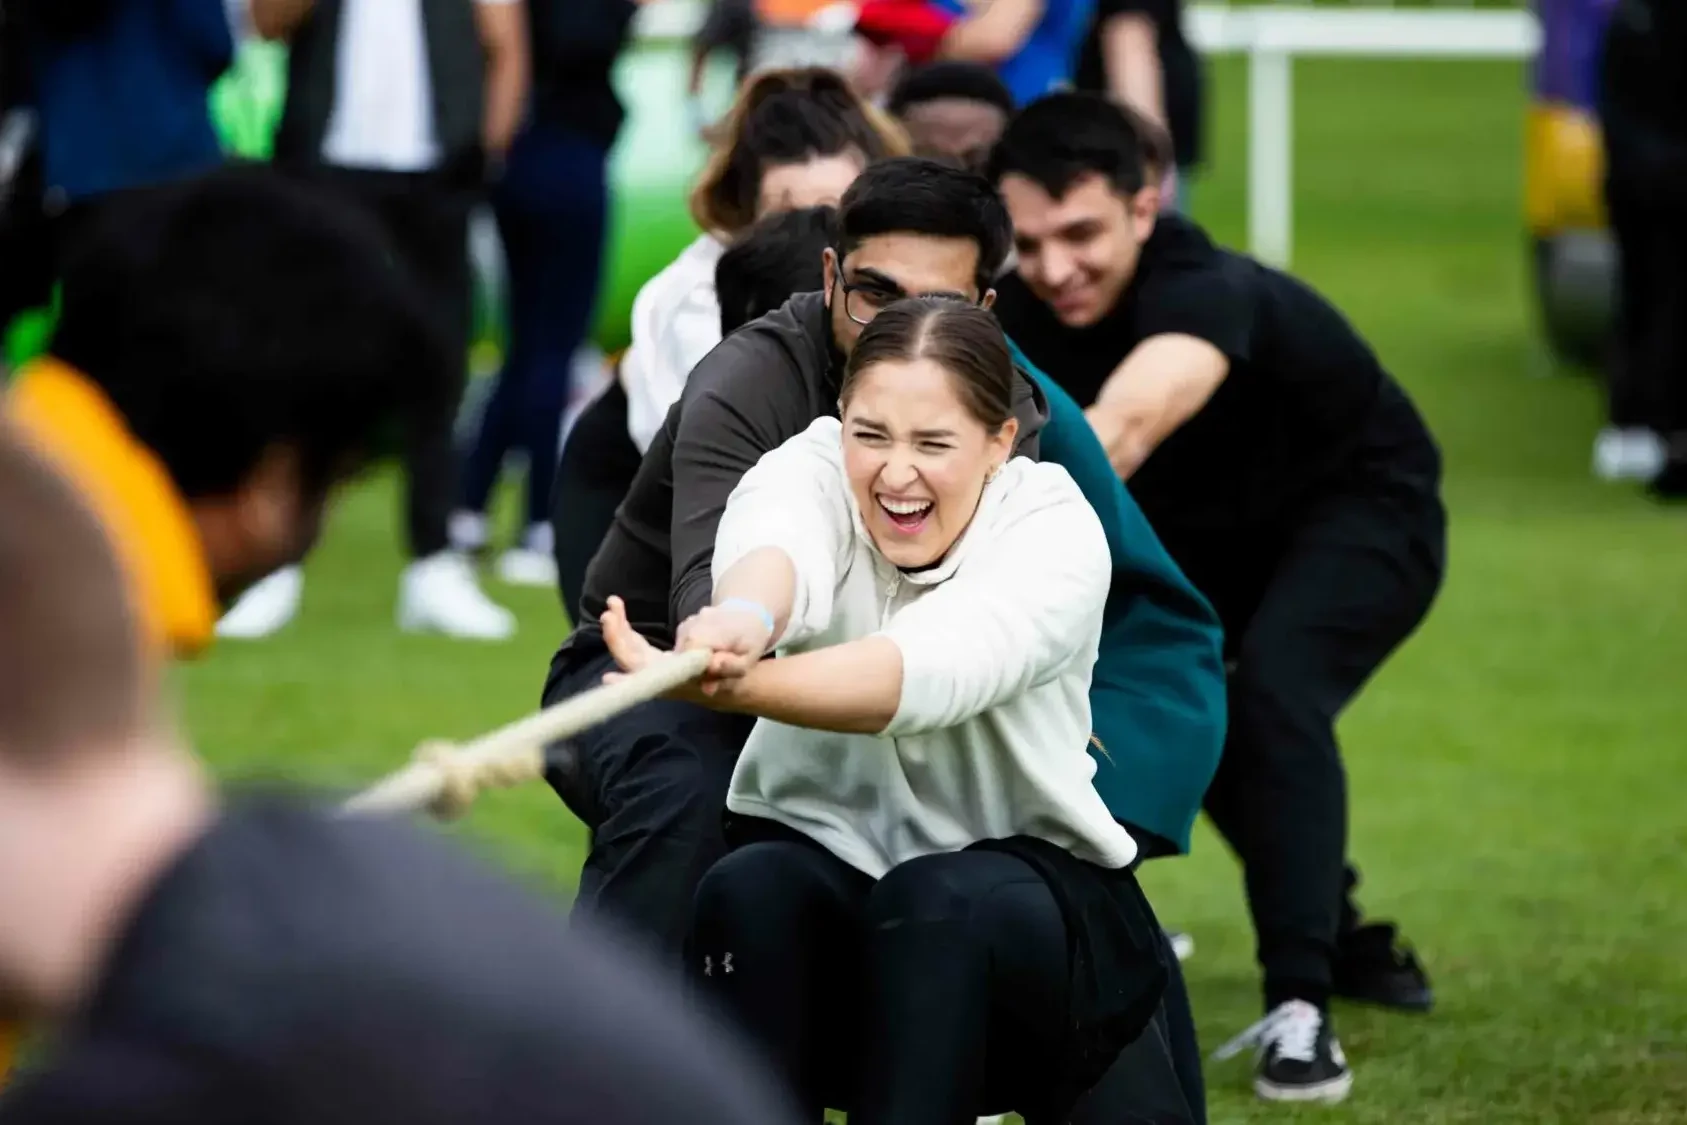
x=70, y=651
x=779, y=256
x=1061, y=138
x=913, y=195
x=968, y=81
x=241, y=310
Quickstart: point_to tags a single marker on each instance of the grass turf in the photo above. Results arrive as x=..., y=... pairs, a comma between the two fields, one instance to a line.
x=1516, y=772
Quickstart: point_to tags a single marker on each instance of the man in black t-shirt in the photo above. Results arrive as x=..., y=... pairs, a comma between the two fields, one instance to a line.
x=1294, y=483
x=266, y=961
x=1136, y=53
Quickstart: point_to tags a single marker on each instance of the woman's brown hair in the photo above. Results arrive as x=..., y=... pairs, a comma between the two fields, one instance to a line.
x=962, y=338
x=785, y=117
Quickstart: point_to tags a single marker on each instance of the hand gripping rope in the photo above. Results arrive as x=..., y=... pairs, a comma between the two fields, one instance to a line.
x=445, y=778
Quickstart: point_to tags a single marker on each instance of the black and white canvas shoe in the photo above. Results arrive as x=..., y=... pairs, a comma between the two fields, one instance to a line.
x=1299, y=1059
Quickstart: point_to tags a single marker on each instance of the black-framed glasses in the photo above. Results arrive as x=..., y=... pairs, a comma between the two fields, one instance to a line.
x=864, y=302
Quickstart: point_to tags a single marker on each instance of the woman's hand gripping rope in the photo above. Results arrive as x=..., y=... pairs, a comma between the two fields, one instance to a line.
x=734, y=638
x=445, y=779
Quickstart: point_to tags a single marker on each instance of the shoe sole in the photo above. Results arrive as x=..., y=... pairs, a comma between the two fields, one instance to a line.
x=1329, y=1091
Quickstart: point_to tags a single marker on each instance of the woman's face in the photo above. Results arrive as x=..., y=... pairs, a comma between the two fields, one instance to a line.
x=916, y=458
x=817, y=182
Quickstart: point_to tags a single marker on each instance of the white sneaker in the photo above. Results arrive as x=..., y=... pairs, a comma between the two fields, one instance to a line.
x=532, y=562
x=1635, y=454
x=520, y=566
x=439, y=594
x=265, y=607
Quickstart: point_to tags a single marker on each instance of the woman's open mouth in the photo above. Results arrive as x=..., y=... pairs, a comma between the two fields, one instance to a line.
x=907, y=516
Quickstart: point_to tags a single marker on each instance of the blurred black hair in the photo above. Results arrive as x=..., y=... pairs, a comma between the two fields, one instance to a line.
x=914, y=195
x=969, y=81
x=1061, y=138
x=778, y=257
x=240, y=310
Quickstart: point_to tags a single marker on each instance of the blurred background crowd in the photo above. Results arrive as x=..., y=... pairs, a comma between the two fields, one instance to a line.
x=510, y=120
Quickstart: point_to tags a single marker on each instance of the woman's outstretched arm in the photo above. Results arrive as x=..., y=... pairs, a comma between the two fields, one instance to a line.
x=851, y=688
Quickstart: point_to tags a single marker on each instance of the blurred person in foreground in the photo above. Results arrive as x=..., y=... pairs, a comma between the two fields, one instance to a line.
x=552, y=204
x=1643, y=115
x=1293, y=481
x=261, y=958
x=1136, y=54
x=403, y=107
x=953, y=111
x=229, y=350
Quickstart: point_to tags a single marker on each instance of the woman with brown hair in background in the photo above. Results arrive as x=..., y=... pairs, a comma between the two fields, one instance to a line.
x=793, y=139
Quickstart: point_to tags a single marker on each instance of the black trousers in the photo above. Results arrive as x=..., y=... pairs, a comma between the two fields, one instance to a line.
x=932, y=996
x=426, y=215
x=597, y=467
x=1354, y=579
x=650, y=785
x=1648, y=378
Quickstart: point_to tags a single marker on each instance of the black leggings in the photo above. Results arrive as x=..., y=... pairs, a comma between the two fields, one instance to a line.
x=932, y=996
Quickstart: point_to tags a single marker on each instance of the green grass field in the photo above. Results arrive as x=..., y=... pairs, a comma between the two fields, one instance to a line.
x=1517, y=772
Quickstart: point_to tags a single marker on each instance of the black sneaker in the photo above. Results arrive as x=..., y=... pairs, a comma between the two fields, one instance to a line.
x=1299, y=1059
x=1372, y=965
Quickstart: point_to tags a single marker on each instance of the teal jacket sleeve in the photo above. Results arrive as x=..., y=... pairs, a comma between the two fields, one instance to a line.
x=1157, y=695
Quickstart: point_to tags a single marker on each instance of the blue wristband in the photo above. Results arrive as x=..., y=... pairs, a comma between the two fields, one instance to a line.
x=751, y=607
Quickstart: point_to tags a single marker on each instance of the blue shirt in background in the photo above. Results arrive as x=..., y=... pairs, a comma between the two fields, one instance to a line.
x=127, y=105
x=1047, y=59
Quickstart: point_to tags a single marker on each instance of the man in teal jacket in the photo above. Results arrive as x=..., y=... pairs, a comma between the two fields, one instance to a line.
x=1157, y=695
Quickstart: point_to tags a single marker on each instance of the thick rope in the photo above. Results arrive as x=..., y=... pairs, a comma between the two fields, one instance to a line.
x=445, y=778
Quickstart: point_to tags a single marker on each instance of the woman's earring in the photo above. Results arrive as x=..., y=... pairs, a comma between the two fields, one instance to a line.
x=995, y=471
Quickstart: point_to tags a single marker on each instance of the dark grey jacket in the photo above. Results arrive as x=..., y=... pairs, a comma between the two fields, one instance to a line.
x=759, y=387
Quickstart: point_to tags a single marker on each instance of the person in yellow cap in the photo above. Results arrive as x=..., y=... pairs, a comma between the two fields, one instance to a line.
x=231, y=348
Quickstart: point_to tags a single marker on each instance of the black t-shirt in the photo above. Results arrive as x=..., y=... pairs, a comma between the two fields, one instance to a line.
x=295, y=967
x=1306, y=411
x=575, y=44
x=1180, y=69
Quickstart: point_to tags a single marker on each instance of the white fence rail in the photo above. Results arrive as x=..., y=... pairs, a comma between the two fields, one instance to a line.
x=1272, y=38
